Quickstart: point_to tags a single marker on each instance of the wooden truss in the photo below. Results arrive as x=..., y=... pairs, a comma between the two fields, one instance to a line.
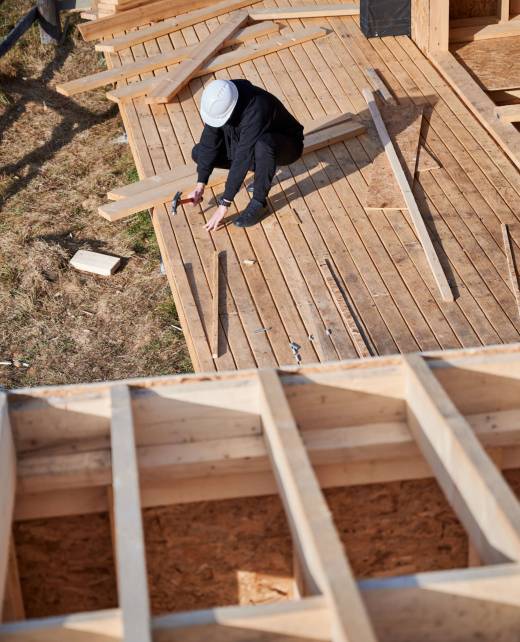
x=453, y=415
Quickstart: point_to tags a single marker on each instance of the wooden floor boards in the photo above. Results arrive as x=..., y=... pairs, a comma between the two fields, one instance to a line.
x=318, y=213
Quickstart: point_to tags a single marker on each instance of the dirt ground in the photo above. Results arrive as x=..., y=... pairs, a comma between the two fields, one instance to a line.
x=58, y=158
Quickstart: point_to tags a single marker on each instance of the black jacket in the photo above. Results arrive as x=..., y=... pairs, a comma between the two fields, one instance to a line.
x=256, y=112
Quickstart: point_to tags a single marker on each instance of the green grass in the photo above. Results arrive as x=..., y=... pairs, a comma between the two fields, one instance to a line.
x=142, y=237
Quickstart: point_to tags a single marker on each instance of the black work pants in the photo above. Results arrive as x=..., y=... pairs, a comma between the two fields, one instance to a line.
x=272, y=150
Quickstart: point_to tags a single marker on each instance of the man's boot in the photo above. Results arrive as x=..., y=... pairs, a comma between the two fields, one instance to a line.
x=253, y=213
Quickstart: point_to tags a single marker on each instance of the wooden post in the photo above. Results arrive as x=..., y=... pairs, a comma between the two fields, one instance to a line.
x=50, y=26
x=439, y=27
x=503, y=10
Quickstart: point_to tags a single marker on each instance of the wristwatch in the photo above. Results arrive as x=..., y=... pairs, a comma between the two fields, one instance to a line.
x=224, y=202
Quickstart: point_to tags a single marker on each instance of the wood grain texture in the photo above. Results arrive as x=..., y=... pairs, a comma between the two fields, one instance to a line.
x=403, y=124
x=511, y=265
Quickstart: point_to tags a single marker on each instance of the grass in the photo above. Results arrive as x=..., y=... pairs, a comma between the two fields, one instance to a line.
x=58, y=158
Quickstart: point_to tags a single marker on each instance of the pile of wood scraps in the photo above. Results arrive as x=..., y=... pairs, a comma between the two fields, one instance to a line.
x=162, y=188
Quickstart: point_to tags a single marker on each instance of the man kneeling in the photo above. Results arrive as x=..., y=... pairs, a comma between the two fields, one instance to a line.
x=246, y=128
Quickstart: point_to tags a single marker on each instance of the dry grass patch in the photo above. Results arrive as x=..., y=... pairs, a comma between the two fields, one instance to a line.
x=58, y=158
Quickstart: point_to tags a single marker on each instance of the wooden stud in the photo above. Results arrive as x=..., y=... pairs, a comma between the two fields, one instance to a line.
x=511, y=266
x=304, y=11
x=7, y=490
x=507, y=29
x=439, y=25
x=311, y=522
x=415, y=214
x=471, y=482
x=215, y=321
x=130, y=549
x=168, y=85
x=503, y=10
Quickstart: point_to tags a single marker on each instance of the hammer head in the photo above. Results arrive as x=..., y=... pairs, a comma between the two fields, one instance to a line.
x=175, y=202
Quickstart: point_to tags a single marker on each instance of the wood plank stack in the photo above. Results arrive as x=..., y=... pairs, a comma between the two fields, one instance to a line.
x=109, y=7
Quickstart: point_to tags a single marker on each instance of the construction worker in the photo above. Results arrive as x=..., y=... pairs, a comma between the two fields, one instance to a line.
x=246, y=128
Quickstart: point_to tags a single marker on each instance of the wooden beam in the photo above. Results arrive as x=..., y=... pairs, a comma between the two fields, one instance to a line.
x=229, y=59
x=168, y=85
x=14, y=608
x=132, y=579
x=215, y=293
x=439, y=25
x=476, y=490
x=511, y=265
x=310, y=520
x=111, y=45
x=475, y=98
x=7, y=490
x=467, y=604
x=304, y=11
x=144, y=65
x=165, y=191
x=503, y=10
x=485, y=32
x=150, y=12
x=415, y=214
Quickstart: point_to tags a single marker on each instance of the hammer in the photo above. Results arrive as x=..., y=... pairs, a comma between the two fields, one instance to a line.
x=177, y=200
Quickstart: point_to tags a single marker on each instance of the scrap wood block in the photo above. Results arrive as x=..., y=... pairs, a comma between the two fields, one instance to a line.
x=403, y=123
x=95, y=262
x=168, y=85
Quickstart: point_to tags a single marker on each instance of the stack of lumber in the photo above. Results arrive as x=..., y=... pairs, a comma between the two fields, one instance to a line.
x=109, y=7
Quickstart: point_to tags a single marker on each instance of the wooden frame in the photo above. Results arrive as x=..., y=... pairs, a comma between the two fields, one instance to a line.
x=256, y=432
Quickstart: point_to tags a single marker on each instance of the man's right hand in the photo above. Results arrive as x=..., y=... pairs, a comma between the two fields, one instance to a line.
x=197, y=194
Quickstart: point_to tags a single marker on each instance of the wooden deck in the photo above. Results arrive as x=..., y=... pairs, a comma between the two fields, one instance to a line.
x=318, y=212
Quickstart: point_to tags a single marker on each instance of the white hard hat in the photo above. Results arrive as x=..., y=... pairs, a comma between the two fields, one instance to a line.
x=218, y=101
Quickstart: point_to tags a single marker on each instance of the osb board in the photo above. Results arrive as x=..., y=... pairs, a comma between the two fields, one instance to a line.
x=236, y=551
x=495, y=62
x=403, y=123
x=472, y=8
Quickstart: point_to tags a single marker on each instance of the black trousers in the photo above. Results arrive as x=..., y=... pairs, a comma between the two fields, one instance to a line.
x=272, y=150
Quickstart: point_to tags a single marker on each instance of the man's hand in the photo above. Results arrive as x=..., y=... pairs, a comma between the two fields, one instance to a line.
x=197, y=194
x=214, y=221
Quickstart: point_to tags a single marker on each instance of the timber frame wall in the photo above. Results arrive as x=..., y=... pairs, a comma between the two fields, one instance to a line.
x=431, y=31
x=144, y=442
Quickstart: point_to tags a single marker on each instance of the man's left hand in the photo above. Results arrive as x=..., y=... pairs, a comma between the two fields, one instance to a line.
x=214, y=221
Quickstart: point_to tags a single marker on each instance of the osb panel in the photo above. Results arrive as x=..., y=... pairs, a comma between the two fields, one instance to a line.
x=235, y=551
x=404, y=127
x=496, y=66
x=472, y=8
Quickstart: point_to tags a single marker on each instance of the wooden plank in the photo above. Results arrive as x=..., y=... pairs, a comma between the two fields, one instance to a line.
x=509, y=113
x=477, y=492
x=95, y=262
x=111, y=45
x=169, y=84
x=357, y=335
x=403, y=124
x=134, y=17
x=215, y=290
x=379, y=85
x=505, y=134
x=425, y=161
x=304, y=11
x=226, y=60
x=312, y=527
x=165, y=191
x=487, y=32
x=151, y=63
x=131, y=563
x=420, y=227
x=496, y=67
x=511, y=265
x=7, y=490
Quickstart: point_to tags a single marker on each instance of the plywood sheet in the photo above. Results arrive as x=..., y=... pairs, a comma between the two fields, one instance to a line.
x=404, y=126
x=495, y=62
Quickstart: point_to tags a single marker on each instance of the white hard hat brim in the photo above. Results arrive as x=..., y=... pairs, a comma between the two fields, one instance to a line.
x=222, y=120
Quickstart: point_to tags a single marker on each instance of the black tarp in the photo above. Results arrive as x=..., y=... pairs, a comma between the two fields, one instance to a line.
x=385, y=17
